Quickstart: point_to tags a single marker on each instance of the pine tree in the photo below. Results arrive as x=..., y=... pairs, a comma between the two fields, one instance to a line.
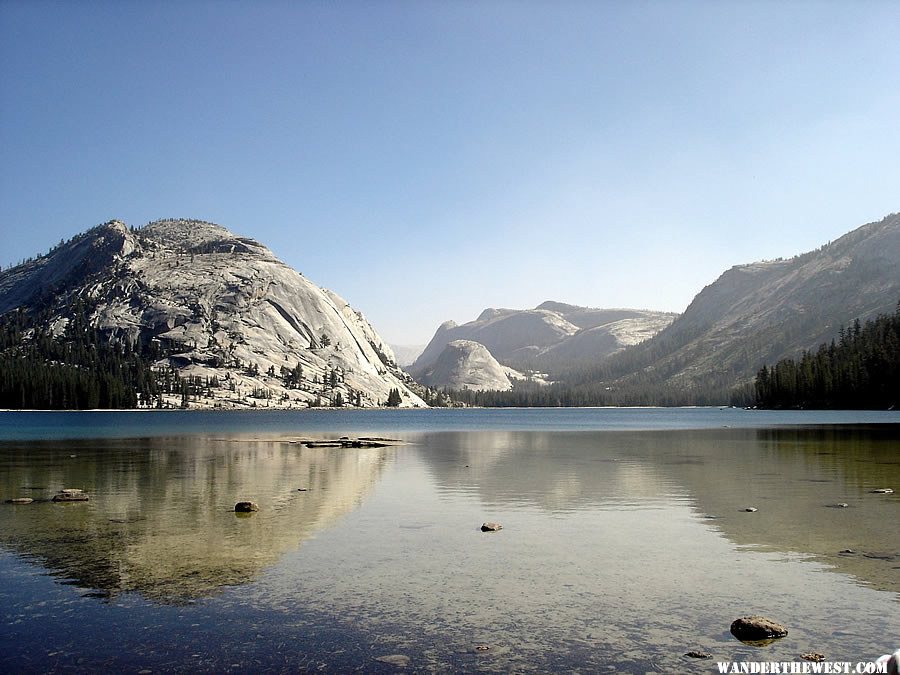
x=394, y=399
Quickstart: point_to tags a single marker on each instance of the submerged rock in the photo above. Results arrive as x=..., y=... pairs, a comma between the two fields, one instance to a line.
x=491, y=527
x=398, y=660
x=246, y=507
x=750, y=509
x=813, y=656
x=876, y=555
x=698, y=654
x=883, y=491
x=70, y=495
x=20, y=500
x=757, y=628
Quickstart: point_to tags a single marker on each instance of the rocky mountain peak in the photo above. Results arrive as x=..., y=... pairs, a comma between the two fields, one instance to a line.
x=561, y=307
x=216, y=306
x=466, y=364
x=199, y=237
x=492, y=313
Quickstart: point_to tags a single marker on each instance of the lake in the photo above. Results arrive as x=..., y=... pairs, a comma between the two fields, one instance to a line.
x=625, y=539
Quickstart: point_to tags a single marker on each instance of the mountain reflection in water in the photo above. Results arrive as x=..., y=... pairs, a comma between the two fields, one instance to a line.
x=160, y=521
x=796, y=478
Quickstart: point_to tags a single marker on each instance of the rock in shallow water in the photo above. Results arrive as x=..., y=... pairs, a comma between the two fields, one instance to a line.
x=398, y=660
x=698, y=654
x=20, y=500
x=246, y=507
x=754, y=628
x=70, y=495
x=491, y=527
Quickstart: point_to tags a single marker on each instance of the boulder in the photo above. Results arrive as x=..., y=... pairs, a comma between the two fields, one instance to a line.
x=755, y=628
x=491, y=527
x=246, y=507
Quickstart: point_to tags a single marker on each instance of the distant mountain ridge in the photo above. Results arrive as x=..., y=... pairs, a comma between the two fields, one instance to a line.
x=217, y=305
x=551, y=334
x=757, y=314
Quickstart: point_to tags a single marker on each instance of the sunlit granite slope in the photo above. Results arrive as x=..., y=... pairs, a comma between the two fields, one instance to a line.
x=464, y=364
x=759, y=313
x=220, y=305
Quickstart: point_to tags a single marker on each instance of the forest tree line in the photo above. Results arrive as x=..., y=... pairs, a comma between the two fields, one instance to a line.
x=77, y=370
x=859, y=370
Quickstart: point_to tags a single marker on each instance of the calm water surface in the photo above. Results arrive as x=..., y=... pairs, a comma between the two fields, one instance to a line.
x=625, y=543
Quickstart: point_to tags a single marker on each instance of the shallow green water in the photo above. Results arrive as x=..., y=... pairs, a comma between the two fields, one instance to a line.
x=621, y=549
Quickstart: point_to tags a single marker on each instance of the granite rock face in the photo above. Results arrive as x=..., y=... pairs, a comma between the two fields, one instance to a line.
x=464, y=364
x=218, y=305
x=762, y=312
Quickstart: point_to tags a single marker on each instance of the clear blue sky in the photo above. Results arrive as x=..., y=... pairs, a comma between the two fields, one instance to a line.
x=429, y=159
